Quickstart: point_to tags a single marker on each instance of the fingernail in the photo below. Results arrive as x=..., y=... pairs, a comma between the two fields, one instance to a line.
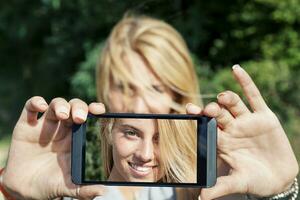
x=101, y=106
x=191, y=108
x=220, y=95
x=43, y=104
x=63, y=110
x=80, y=114
x=236, y=66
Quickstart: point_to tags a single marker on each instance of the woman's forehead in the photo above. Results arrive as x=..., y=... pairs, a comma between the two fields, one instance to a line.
x=142, y=125
x=138, y=69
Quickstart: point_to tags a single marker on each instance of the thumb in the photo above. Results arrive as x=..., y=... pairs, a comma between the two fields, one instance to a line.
x=89, y=192
x=225, y=185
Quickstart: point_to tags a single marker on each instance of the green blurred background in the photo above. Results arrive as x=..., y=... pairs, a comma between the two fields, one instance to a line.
x=50, y=47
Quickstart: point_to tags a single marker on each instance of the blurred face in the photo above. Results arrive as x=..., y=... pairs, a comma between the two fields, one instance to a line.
x=140, y=99
x=135, y=151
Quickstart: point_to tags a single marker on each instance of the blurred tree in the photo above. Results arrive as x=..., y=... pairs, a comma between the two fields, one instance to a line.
x=42, y=42
x=49, y=48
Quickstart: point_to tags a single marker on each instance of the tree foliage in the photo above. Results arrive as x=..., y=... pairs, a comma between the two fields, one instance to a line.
x=50, y=48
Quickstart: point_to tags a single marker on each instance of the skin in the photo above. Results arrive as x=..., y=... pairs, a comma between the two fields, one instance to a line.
x=135, y=151
x=141, y=100
x=251, y=141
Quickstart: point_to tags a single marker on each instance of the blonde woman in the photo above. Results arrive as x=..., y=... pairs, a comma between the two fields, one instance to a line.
x=148, y=150
x=146, y=68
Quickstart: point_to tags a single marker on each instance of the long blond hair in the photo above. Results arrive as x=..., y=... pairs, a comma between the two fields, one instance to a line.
x=164, y=51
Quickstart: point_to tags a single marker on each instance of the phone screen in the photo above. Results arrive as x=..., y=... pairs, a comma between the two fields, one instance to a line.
x=145, y=150
x=141, y=150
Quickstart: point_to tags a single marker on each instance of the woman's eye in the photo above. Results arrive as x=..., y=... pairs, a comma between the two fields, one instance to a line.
x=156, y=139
x=159, y=88
x=130, y=90
x=120, y=86
x=130, y=133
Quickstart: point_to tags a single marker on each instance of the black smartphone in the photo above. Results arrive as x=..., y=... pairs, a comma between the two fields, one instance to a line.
x=145, y=150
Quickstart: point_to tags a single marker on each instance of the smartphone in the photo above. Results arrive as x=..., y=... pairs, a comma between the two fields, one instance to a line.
x=145, y=150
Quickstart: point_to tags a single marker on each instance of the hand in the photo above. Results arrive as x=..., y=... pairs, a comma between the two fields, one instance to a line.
x=39, y=161
x=252, y=142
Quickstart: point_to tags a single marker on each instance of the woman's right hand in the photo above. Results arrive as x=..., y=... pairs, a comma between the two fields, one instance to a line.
x=39, y=161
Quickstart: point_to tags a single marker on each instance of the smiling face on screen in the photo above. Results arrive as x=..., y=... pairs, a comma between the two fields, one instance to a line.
x=135, y=151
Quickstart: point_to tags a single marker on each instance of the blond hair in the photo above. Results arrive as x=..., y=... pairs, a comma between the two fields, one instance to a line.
x=161, y=47
x=177, y=143
x=166, y=54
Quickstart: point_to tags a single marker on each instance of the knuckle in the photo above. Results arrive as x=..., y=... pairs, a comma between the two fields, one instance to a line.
x=96, y=104
x=212, y=104
x=221, y=142
x=212, y=109
x=33, y=99
x=78, y=102
x=101, y=104
x=255, y=94
x=228, y=92
x=222, y=113
x=28, y=102
x=57, y=100
x=32, y=103
x=247, y=81
x=36, y=98
x=234, y=98
x=75, y=101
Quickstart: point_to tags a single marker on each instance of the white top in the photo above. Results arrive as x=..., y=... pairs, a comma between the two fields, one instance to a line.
x=146, y=193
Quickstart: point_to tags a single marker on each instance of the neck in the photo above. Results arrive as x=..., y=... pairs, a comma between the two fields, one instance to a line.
x=115, y=175
x=127, y=192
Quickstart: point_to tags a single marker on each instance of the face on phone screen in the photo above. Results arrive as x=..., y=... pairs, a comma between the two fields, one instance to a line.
x=141, y=150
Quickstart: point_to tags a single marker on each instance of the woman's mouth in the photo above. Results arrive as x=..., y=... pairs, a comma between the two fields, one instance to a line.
x=140, y=171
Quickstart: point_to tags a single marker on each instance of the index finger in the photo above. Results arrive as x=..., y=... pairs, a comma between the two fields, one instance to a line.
x=252, y=93
x=33, y=106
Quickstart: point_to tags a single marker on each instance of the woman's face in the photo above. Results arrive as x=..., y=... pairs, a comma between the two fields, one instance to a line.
x=140, y=100
x=135, y=142
x=135, y=151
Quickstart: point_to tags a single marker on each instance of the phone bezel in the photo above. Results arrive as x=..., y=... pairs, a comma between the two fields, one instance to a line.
x=206, y=150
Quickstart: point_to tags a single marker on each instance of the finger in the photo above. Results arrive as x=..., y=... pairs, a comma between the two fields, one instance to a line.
x=86, y=192
x=223, y=142
x=228, y=159
x=31, y=109
x=223, y=116
x=233, y=103
x=90, y=192
x=193, y=109
x=59, y=109
x=96, y=108
x=225, y=185
x=79, y=110
x=252, y=93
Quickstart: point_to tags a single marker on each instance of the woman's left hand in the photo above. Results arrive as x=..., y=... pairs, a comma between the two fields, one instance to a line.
x=252, y=142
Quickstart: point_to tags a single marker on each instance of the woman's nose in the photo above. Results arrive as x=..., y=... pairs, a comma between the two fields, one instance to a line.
x=138, y=105
x=145, y=152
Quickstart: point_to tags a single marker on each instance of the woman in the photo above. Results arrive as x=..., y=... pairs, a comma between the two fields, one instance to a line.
x=134, y=155
x=148, y=150
x=141, y=78
x=146, y=68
